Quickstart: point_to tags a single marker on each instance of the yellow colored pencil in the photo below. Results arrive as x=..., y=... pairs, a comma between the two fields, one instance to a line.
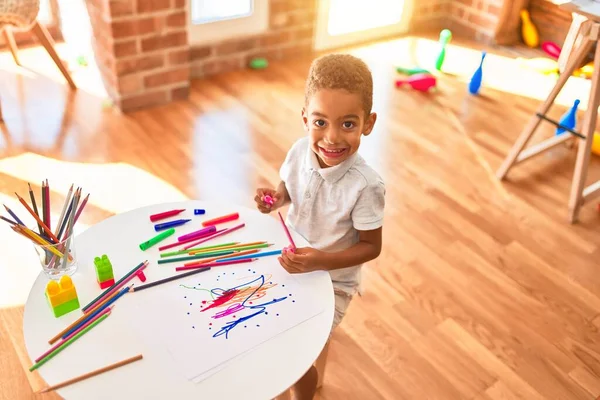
x=233, y=246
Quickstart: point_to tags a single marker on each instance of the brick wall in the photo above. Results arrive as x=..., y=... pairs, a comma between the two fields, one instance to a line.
x=429, y=15
x=142, y=50
x=289, y=34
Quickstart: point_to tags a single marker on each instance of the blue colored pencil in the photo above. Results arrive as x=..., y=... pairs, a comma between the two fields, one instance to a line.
x=255, y=255
x=12, y=214
x=99, y=310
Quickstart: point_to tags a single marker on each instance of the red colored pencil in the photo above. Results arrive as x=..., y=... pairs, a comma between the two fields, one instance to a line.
x=184, y=268
x=49, y=223
x=81, y=207
x=220, y=220
x=214, y=235
x=169, y=246
x=166, y=214
x=287, y=232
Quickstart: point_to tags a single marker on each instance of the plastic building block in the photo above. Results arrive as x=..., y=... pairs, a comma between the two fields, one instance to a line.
x=62, y=296
x=104, y=271
x=106, y=284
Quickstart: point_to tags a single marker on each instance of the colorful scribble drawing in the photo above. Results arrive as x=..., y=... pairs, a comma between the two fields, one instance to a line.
x=239, y=299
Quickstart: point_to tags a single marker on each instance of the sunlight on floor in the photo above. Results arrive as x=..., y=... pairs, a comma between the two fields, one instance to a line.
x=114, y=188
x=499, y=72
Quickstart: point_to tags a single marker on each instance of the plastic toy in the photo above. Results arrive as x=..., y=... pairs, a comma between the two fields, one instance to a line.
x=62, y=296
x=411, y=71
x=259, y=63
x=529, y=31
x=540, y=64
x=104, y=272
x=568, y=119
x=475, y=83
x=445, y=37
x=420, y=82
x=596, y=144
x=586, y=71
x=551, y=49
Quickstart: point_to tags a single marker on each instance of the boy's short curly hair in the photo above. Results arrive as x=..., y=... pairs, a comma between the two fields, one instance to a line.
x=341, y=71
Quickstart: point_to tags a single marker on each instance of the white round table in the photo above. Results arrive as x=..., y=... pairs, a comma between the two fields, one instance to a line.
x=261, y=373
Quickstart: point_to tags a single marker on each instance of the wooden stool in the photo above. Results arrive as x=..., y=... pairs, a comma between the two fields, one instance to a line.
x=588, y=34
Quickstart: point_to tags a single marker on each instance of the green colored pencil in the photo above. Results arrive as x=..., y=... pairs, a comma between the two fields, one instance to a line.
x=201, y=255
x=67, y=343
x=176, y=253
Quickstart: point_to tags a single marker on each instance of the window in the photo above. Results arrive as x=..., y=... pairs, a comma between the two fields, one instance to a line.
x=216, y=20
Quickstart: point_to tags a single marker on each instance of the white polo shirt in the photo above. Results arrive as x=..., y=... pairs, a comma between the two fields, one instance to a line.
x=330, y=205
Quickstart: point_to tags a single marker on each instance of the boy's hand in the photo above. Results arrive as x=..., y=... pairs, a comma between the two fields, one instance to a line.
x=305, y=259
x=263, y=203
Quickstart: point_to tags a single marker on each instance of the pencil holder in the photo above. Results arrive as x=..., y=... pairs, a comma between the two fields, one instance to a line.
x=53, y=260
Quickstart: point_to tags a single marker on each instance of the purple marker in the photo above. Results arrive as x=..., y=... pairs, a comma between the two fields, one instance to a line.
x=201, y=232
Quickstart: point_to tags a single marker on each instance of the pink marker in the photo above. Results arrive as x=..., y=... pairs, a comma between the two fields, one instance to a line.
x=198, y=233
x=269, y=200
x=216, y=234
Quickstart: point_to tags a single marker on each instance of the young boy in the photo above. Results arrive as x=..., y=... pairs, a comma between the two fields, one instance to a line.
x=337, y=200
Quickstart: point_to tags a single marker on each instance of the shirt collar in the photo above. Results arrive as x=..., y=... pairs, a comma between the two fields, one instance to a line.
x=330, y=174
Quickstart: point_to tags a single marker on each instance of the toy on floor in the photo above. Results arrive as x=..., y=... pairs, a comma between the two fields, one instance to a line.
x=445, y=37
x=420, y=82
x=411, y=71
x=475, y=83
x=104, y=272
x=540, y=64
x=529, y=31
x=568, y=119
x=259, y=63
x=596, y=144
x=551, y=49
x=62, y=296
x=586, y=71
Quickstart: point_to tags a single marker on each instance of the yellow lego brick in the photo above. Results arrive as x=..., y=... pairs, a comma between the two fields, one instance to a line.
x=60, y=292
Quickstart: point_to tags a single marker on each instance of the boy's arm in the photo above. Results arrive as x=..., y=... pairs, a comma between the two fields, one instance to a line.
x=282, y=191
x=368, y=248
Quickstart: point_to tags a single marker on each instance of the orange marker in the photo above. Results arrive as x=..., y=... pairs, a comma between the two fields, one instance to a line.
x=220, y=220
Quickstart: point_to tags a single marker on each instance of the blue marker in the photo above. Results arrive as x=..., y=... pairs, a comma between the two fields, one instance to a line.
x=171, y=224
x=475, y=82
x=568, y=119
x=268, y=253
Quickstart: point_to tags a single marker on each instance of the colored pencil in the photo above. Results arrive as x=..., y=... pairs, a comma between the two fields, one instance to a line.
x=287, y=232
x=207, y=260
x=44, y=209
x=248, y=246
x=169, y=279
x=268, y=253
x=10, y=221
x=110, y=289
x=39, y=240
x=80, y=210
x=166, y=214
x=66, y=217
x=196, y=234
x=69, y=231
x=34, y=205
x=12, y=214
x=177, y=244
x=216, y=264
x=48, y=208
x=205, y=255
x=117, y=286
x=64, y=210
x=220, y=220
x=98, y=310
x=67, y=343
x=214, y=247
x=44, y=226
x=217, y=234
x=51, y=349
x=92, y=373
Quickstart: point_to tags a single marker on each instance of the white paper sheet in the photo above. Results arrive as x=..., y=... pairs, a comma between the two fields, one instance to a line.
x=210, y=318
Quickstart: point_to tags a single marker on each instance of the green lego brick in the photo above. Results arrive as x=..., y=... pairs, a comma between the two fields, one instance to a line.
x=65, y=308
x=104, y=270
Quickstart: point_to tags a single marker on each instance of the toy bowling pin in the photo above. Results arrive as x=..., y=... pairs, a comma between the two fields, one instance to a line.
x=475, y=82
x=568, y=119
x=528, y=30
x=411, y=71
x=420, y=82
x=551, y=49
x=445, y=37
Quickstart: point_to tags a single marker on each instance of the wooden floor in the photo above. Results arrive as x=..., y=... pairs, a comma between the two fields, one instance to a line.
x=483, y=290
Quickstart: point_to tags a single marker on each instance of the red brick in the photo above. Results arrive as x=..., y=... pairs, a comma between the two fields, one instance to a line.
x=126, y=48
x=235, y=46
x=142, y=63
x=276, y=38
x=167, y=77
x=152, y=5
x=303, y=33
x=177, y=57
x=122, y=7
x=177, y=20
x=212, y=67
x=123, y=29
x=198, y=53
x=150, y=24
x=482, y=20
x=180, y=93
x=180, y=3
x=302, y=17
x=143, y=100
x=279, y=20
x=130, y=84
x=164, y=41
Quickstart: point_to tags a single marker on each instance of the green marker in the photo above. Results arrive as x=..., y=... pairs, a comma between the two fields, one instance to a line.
x=259, y=63
x=161, y=236
x=445, y=37
x=411, y=71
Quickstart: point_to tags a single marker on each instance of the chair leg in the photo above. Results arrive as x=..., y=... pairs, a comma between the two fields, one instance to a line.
x=320, y=365
x=46, y=40
x=12, y=45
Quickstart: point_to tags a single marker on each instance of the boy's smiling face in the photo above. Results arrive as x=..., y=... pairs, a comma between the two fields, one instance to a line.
x=335, y=120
